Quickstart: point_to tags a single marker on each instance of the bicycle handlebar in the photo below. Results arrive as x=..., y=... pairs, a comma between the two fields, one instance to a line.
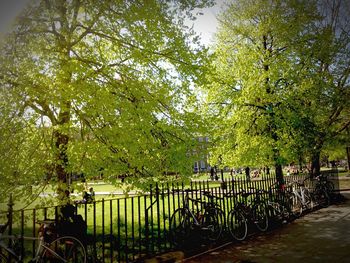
x=307, y=178
x=296, y=183
x=241, y=192
x=210, y=195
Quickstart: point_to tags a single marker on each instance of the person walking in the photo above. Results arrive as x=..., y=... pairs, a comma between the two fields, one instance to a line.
x=247, y=173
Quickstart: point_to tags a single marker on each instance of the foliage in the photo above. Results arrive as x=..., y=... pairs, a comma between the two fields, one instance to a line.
x=103, y=88
x=255, y=77
x=279, y=82
x=324, y=94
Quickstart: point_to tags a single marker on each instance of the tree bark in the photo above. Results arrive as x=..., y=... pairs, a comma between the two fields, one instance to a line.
x=279, y=174
x=315, y=164
x=348, y=155
x=61, y=156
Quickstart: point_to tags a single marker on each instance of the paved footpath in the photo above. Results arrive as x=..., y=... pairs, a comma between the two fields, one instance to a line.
x=320, y=236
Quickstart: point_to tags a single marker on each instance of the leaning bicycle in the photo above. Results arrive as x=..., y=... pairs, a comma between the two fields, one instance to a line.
x=51, y=248
x=322, y=191
x=301, y=197
x=205, y=221
x=247, y=212
x=278, y=204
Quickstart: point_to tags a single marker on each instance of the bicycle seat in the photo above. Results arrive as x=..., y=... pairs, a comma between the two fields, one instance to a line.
x=196, y=201
x=46, y=222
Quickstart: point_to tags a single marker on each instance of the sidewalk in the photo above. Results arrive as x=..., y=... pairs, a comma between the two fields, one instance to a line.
x=321, y=236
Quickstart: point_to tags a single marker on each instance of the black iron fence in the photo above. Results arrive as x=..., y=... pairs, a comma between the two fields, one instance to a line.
x=131, y=228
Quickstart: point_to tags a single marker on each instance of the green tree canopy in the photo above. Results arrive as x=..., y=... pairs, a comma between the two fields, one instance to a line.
x=101, y=88
x=267, y=82
x=324, y=96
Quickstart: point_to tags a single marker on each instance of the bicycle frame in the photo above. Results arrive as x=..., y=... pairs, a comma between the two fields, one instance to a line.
x=247, y=207
x=206, y=206
x=41, y=246
x=300, y=194
x=203, y=221
x=13, y=254
x=187, y=207
x=9, y=250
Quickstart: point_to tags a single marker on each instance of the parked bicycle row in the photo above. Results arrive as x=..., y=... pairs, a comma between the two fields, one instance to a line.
x=169, y=216
x=240, y=211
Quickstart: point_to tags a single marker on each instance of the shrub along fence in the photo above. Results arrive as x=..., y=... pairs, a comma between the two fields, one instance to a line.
x=131, y=228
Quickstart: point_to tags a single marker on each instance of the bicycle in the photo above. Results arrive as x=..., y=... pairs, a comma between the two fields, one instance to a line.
x=278, y=204
x=50, y=247
x=207, y=221
x=301, y=198
x=322, y=191
x=244, y=213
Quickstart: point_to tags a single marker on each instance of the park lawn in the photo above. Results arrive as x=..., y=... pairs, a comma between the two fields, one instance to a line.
x=122, y=217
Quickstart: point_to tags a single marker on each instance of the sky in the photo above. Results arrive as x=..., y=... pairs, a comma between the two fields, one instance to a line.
x=205, y=25
x=9, y=9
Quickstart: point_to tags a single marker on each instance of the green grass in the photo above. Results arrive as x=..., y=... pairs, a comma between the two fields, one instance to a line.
x=124, y=217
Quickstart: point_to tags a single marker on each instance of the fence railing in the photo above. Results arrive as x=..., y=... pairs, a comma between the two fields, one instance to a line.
x=129, y=228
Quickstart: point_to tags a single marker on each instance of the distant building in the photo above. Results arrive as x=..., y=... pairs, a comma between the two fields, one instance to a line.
x=202, y=164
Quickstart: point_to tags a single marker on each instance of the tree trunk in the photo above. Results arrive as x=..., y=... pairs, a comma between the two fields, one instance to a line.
x=279, y=174
x=61, y=144
x=278, y=165
x=300, y=163
x=315, y=164
x=61, y=157
x=348, y=155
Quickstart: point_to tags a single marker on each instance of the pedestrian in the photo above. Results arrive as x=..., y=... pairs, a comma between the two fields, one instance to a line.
x=212, y=173
x=247, y=173
x=92, y=194
x=216, y=173
x=88, y=197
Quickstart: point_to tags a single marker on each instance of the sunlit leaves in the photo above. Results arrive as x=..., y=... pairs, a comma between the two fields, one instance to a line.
x=113, y=84
x=255, y=78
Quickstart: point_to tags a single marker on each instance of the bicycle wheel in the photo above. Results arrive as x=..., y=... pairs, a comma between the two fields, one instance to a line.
x=237, y=225
x=4, y=258
x=275, y=212
x=297, y=207
x=64, y=249
x=287, y=203
x=309, y=200
x=260, y=216
x=211, y=225
x=322, y=198
x=329, y=186
x=180, y=226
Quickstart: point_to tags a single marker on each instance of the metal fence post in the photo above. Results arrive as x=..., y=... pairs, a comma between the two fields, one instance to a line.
x=10, y=214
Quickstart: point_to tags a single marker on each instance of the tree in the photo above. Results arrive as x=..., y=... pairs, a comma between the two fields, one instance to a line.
x=255, y=76
x=107, y=85
x=325, y=99
x=280, y=82
x=21, y=147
